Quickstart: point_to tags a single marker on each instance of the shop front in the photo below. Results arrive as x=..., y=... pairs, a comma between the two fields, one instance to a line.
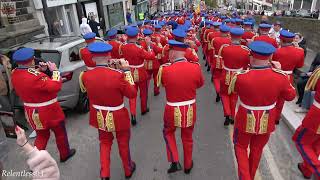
x=141, y=10
x=63, y=17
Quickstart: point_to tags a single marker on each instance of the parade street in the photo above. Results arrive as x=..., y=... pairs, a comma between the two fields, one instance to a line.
x=213, y=148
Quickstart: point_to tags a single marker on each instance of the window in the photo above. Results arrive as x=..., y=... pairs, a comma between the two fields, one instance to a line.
x=46, y=56
x=74, y=52
x=115, y=12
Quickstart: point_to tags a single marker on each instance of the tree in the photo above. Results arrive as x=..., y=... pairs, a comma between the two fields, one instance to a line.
x=211, y=3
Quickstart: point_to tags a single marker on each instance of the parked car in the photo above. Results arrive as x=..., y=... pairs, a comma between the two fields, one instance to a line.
x=304, y=13
x=268, y=13
x=64, y=52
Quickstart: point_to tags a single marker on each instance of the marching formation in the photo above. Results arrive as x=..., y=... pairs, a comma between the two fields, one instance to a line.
x=252, y=75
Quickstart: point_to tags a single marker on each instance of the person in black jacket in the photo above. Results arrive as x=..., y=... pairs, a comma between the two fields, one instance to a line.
x=94, y=25
x=300, y=41
x=304, y=77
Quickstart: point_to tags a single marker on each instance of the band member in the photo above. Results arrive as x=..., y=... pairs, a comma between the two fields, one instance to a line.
x=135, y=55
x=264, y=35
x=39, y=94
x=248, y=33
x=180, y=79
x=107, y=111
x=255, y=119
x=235, y=58
x=290, y=58
x=114, y=42
x=152, y=65
x=306, y=137
x=85, y=53
x=216, y=64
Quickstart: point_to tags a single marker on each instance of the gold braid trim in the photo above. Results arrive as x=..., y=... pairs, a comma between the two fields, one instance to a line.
x=311, y=84
x=234, y=80
x=164, y=49
x=120, y=50
x=159, y=76
x=128, y=77
x=82, y=87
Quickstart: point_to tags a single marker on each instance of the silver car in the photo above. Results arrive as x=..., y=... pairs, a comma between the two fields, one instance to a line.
x=64, y=52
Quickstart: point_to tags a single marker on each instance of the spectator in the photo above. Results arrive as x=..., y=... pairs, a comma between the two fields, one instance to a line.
x=84, y=27
x=5, y=76
x=128, y=16
x=56, y=28
x=94, y=25
x=275, y=31
x=264, y=20
x=40, y=163
x=300, y=41
x=305, y=98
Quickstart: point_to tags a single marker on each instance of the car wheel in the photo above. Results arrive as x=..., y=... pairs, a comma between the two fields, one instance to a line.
x=83, y=103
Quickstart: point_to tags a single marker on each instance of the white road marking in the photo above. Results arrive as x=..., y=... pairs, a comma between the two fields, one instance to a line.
x=272, y=164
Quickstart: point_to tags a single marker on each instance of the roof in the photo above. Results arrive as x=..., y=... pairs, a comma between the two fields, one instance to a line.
x=53, y=43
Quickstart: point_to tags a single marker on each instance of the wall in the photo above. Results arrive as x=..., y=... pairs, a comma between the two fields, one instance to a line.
x=309, y=28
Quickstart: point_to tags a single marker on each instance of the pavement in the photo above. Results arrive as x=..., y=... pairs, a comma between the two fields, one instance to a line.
x=213, y=149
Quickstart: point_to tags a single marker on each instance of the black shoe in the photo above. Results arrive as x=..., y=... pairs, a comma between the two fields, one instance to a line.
x=156, y=94
x=206, y=64
x=204, y=57
x=105, y=178
x=300, y=169
x=133, y=170
x=208, y=68
x=145, y=112
x=226, y=121
x=277, y=122
x=231, y=121
x=133, y=120
x=187, y=171
x=72, y=153
x=174, y=167
x=217, y=98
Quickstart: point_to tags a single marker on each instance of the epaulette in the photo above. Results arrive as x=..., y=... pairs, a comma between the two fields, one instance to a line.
x=120, y=50
x=245, y=47
x=221, y=48
x=33, y=71
x=279, y=71
x=138, y=45
x=194, y=62
x=82, y=87
x=299, y=48
x=234, y=80
x=159, y=75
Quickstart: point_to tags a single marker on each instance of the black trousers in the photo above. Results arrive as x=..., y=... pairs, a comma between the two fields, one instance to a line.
x=301, y=84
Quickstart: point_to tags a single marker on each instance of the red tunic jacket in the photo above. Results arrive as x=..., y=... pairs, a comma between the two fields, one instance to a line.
x=181, y=80
x=36, y=87
x=107, y=87
x=254, y=89
x=135, y=55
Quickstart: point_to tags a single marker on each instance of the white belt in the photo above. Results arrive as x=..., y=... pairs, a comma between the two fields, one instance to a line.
x=47, y=103
x=90, y=68
x=258, y=108
x=233, y=70
x=183, y=103
x=316, y=104
x=288, y=72
x=106, y=108
x=136, y=66
x=217, y=56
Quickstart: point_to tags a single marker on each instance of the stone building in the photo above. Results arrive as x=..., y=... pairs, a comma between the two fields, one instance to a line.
x=18, y=22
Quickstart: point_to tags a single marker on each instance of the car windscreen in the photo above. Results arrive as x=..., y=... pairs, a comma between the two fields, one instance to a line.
x=53, y=56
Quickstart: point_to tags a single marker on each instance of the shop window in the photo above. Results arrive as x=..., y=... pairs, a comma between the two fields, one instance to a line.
x=74, y=52
x=115, y=14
